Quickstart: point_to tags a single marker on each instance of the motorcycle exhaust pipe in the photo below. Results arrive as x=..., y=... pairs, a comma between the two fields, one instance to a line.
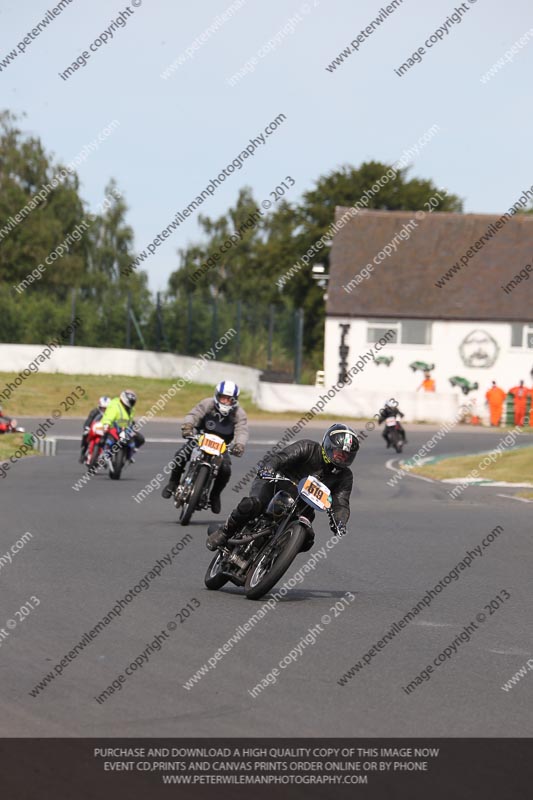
x=247, y=539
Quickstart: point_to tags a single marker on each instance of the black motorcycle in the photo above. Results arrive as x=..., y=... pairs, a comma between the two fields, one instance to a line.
x=394, y=434
x=197, y=478
x=257, y=556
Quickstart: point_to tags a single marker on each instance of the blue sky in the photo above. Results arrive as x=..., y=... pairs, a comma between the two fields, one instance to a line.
x=176, y=134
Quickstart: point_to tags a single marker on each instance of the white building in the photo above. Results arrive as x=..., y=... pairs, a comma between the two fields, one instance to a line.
x=454, y=289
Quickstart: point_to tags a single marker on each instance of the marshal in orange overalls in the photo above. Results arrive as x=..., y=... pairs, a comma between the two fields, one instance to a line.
x=428, y=384
x=520, y=394
x=495, y=397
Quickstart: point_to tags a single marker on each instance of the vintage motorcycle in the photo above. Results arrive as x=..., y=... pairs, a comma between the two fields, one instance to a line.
x=394, y=433
x=198, y=475
x=257, y=556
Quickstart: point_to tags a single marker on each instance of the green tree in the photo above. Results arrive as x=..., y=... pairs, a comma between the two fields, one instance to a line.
x=95, y=247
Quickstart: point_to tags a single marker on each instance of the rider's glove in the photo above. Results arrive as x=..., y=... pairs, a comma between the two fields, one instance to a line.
x=237, y=450
x=266, y=473
x=186, y=431
x=86, y=430
x=123, y=436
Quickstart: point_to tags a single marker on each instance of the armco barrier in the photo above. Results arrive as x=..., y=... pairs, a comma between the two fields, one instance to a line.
x=45, y=446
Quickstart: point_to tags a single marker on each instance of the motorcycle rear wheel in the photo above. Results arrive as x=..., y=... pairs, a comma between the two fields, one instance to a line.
x=273, y=561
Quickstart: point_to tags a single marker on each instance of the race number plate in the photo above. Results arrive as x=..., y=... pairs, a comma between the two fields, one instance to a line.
x=316, y=493
x=390, y=421
x=211, y=444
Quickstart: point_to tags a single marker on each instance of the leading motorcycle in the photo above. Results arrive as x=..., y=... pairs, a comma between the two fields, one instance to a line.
x=257, y=556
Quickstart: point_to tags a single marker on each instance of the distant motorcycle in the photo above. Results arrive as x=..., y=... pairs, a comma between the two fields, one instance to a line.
x=198, y=476
x=9, y=425
x=394, y=433
x=118, y=450
x=94, y=446
x=257, y=556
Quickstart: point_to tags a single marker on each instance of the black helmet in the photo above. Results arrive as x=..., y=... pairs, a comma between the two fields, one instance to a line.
x=339, y=445
x=128, y=398
x=280, y=504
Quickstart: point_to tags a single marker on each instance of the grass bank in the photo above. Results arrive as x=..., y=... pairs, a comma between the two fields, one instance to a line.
x=39, y=394
x=9, y=443
x=515, y=466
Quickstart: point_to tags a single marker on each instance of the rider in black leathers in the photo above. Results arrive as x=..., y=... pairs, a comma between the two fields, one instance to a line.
x=391, y=410
x=328, y=461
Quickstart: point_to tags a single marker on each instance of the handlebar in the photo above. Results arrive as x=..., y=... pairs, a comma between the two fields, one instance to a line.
x=333, y=524
x=196, y=437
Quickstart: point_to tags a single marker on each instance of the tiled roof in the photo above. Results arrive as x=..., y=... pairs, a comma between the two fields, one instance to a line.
x=403, y=284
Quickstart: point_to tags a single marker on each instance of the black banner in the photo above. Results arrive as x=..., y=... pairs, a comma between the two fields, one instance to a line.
x=149, y=769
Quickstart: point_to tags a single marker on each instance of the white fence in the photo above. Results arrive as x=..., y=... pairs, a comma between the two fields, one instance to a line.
x=351, y=402
x=134, y=363
x=282, y=397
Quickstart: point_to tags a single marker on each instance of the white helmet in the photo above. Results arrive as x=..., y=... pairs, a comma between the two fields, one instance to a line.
x=103, y=402
x=230, y=391
x=128, y=398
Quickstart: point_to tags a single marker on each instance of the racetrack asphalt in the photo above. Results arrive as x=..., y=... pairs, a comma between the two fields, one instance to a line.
x=89, y=547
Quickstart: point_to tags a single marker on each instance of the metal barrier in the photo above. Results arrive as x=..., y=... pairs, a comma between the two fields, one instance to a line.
x=45, y=446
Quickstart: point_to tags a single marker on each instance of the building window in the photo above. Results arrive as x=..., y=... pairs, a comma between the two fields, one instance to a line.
x=376, y=330
x=411, y=331
x=415, y=331
x=522, y=335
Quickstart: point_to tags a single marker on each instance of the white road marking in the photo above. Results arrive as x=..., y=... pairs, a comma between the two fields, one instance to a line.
x=389, y=465
x=512, y=497
x=434, y=624
x=176, y=440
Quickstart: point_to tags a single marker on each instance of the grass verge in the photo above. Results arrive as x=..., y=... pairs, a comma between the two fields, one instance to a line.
x=39, y=394
x=515, y=466
x=9, y=443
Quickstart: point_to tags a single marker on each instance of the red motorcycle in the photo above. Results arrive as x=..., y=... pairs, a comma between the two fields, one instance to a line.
x=95, y=439
x=9, y=425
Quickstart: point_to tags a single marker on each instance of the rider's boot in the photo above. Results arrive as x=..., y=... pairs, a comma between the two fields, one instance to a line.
x=169, y=489
x=247, y=509
x=215, y=503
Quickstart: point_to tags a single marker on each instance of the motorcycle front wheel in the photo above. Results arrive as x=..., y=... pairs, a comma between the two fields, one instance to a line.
x=274, y=560
x=92, y=463
x=188, y=508
x=117, y=462
x=213, y=579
